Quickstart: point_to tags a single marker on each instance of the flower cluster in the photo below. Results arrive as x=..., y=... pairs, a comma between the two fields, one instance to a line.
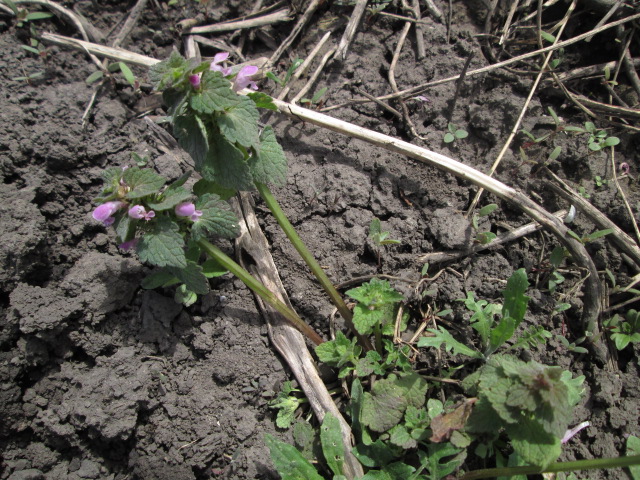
x=242, y=80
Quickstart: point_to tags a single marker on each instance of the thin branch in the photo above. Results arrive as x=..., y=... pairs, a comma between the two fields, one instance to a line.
x=350, y=31
x=524, y=108
x=306, y=16
x=275, y=17
x=421, y=88
x=516, y=233
x=126, y=29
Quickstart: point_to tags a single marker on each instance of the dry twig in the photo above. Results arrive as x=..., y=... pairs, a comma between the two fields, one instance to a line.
x=269, y=19
x=350, y=31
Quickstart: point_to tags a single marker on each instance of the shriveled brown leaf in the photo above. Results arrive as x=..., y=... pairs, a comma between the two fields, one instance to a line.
x=445, y=424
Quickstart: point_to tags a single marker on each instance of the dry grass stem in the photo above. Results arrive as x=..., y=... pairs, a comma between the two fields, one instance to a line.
x=314, y=77
x=350, y=30
x=523, y=110
x=269, y=19
x=515, y=234
x=302, y=69
x=421, y=88
x=295, y=31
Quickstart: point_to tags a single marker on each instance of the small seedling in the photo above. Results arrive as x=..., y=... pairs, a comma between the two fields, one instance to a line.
x=286, y=402
x=571, y=346
x=590, y=237
x=454, y=133
x=23, y=15
x=624, y=332
x=380, y=238
x=316, y=100
x=282, y=82
x=599, y=181
x=483, y=237
x=598, y=139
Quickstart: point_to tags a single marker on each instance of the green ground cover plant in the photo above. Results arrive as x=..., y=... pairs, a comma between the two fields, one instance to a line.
x=506, y=408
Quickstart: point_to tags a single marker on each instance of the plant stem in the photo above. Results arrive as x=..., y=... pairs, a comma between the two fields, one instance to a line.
x=311, y=262
x=266, y=294
x=554, y=467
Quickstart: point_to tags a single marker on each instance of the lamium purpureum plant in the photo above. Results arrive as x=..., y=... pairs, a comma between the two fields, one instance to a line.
x=218, y=126
x=170, y=227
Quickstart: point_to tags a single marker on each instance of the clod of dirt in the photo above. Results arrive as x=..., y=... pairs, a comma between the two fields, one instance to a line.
x=451, y=229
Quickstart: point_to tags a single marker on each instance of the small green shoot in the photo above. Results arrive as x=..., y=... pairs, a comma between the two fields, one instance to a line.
x=598, y=139
x=599, y=181
x=454, y=133
x=316, y=99
x=571, y=346
x=125, y=70
x=624, y=332
x=282, y=82
x=494, y=323
x=286, y=402
x=380, y=238
x=483, y=237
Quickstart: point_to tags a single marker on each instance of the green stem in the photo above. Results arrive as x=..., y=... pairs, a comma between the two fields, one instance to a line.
x=554, y=467
x=266, y=294
x=306, y=255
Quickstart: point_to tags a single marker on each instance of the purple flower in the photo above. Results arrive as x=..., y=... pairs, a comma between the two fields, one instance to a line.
x=243, y=79
x=139, y=213
x=194, y=80
x=129, y=245
x=188, y=209
x=104, y=213
x=218, y=58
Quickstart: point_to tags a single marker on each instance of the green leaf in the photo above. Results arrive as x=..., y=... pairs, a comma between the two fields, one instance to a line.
x=185, y=296
x=203, y=186
x=33, y=50
x=557, y=256
x=215, y=95
x=338, y=352
x=437, y=460
x=399, y=435
x=611, y=142
x=163, y=246
x=164, y=74
x=192, y=137
x=355, y=409
x=226, y=165
x=212, y=269
x=37, y=16
x=192, y=277
x=286, y=404
x=158, y=278
x=239, y=123
x=142, y=182
x=533, y=444
x=125, y=227
x=127, y=74
x=375, y=293
x=487, y=209
x=633, y=448
x=595, y=235
x=95, y=76
x=384, y=407
x=269, y=164
x=515, y=301
x=547, y=36
x=376, y=454
x=449, y=137
x=442, y=336
x=217, y=218
x=262, y=100
x=171, y=197
x=332, y=446
x=501, y=333
x=289, y=462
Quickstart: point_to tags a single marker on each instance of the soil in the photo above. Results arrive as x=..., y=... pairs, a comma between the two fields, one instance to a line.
x=100, y=379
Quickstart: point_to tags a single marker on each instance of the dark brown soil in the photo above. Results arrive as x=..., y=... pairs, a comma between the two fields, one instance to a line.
x=100, y=379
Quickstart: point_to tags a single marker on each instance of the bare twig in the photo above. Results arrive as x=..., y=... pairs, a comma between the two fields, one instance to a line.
x=306, y=16
x=314, y=77
x=301, y=70
x=459, y=84
x=420, y=48
x=270, y=19
x=516, y=233
x=620, y=238
x=421, y=88
x=524, y=108
x=350, y=31
x=287, y=340
x=392, y=79
x=383, y=105
x=126, y=29
x=592, y=305
x=624, y=197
